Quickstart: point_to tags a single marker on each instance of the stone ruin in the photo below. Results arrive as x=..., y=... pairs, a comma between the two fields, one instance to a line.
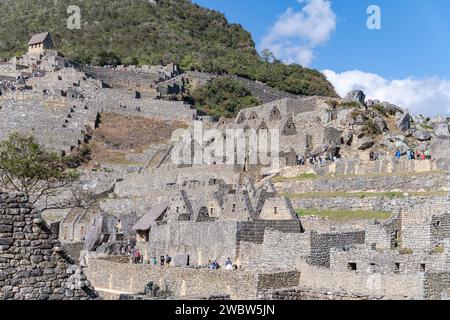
x=33, y=265
x=196, y=213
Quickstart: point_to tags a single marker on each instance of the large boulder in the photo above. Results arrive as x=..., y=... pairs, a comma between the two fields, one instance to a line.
x=442, y=130
x=440, y=147
x=371, y=103
x=365, y=143
x=392, y=109
x=357, y=96
x=403, y=121
x=332, y=136
x=347, y=137
x=422, y=135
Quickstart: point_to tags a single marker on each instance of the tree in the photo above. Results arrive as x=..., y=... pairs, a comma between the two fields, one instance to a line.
x=43, y=176
x=268, y=56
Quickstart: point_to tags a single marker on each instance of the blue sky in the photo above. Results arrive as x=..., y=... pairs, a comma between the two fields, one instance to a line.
x=409, y=56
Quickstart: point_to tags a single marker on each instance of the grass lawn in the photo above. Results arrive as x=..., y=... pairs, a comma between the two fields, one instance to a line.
x=361, y=195
x=344, y=214
x=313, y=176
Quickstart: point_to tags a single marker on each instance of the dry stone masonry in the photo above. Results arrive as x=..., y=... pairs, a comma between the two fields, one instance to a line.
x=33, y=265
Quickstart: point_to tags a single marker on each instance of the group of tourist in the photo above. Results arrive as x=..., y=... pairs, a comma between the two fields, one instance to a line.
x=414, y=155
x=136, y=256
x=315, y=160
x=214, y=265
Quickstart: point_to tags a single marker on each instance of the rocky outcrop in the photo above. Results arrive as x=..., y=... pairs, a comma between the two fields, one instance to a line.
x=422, y=135
x=365, y=143
x=442, y=130
x=33, y=266
x=357, y=96
x=403, y=121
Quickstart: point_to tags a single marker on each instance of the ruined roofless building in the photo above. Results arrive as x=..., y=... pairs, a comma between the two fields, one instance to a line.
x=39, y=43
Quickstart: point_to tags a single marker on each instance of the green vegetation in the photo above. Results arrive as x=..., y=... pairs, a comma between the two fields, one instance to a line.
x=349, y=105
x=78, y=157
x=407, y=251
x=344, y=214
x=223, y=97
x=313, y=176
x=136, y=32
x=361, y=195
x=26, y=167
x=438, y=250
x=301, y=177
x=371, y=128
x=333, y=103
x=426, y=127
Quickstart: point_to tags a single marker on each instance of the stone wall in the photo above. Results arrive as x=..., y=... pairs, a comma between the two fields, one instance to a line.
x=201, y=241
x=120, y=278
x=368, y=203
x=436, y=285
x=33, y=266
x=369, y=260
x=382, y=286
x=243, y=242
x=279, y=251
x=380, y=183
x=420, y=230
x=383, y=166
x=321, y=244
x=302, y=293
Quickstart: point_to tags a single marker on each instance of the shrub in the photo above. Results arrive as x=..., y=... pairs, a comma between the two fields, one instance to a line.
x=223, y=97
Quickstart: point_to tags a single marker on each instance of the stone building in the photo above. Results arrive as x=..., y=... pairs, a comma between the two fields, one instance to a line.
x=39, y=43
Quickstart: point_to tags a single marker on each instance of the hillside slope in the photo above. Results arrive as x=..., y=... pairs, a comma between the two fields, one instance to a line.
x=137, y=32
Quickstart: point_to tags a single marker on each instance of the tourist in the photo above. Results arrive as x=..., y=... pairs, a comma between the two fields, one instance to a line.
x=155, y=261
x=418, y=155
x=398, y=154
x=137, y=256
x=163, y=261
x=371, y=156
x=132, y=252
x=168, y=259
x=428, y=154
x=229, y=264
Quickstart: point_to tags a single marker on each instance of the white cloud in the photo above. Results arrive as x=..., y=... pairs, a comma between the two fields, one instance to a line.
x=428, y=96
x=296, y=34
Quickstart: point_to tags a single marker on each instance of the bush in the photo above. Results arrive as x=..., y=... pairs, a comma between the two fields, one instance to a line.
x=78, y=157
x=223, y=97
x=371, y=128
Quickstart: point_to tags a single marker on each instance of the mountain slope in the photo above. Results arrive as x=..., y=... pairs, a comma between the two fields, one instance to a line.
x=137, y=32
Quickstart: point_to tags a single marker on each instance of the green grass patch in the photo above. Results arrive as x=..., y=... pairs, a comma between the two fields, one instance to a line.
x=438, y=250
x=344, y=214
x=361, y=195
x=406, y=251
x=313, y=176
x=301, y=177
x=426, y=127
